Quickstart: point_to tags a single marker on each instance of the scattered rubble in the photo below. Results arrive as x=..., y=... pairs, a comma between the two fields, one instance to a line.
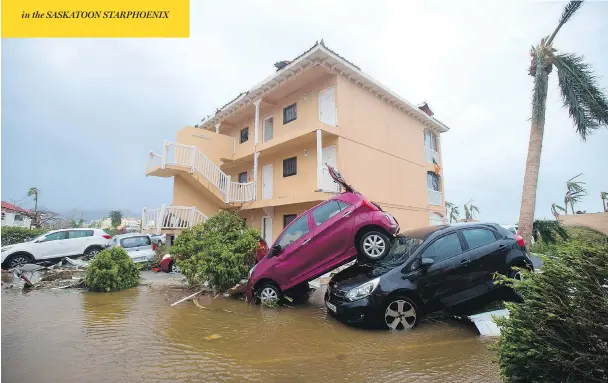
x=64, y=274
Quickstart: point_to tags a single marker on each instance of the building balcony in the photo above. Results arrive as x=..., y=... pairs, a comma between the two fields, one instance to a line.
x=170, y=218
x=435, y=198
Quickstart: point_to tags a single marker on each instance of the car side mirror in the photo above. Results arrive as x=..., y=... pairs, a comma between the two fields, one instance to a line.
x=427, y=262
x=275, y=250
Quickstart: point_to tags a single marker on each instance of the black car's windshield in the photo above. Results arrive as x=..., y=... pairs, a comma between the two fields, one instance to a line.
x=401, y=249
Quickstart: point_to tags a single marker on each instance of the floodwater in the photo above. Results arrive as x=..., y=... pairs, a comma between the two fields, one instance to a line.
x=134, y=336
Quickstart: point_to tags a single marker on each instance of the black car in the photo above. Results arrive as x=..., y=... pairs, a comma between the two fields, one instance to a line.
x=426, y=270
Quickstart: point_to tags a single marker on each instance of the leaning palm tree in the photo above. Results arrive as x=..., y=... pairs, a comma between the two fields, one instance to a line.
x=34, y=192
x=586, y=103
x=575, y=191
x=555, y=208
x=452, y=211
x=470, y=210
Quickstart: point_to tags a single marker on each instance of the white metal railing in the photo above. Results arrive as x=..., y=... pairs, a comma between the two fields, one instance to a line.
x=327, y=182
x=242, y=192
x=171, y=217
x=434, y=197
x=431, y=155
x=196, y=161
x=154, y=161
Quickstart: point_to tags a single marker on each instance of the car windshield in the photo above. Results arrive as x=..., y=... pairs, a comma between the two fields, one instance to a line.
x=401, y=249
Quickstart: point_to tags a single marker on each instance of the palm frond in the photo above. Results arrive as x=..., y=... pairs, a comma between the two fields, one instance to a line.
x=568, y=12
x=556, y=207
x=548, y=231
x=473, y=209
x=449, y=205
x=585, y=100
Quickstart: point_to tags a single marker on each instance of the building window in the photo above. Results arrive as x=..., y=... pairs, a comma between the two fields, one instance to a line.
x=3, y=214
x=243, y=177
x=430, y=140
x=289, y=113
x=18, y=218
x=287, y=218
x=244, y=134
x=432, y=181
x=290, y=166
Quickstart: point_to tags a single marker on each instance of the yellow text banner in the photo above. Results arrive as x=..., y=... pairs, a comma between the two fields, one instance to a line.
x=95, y=18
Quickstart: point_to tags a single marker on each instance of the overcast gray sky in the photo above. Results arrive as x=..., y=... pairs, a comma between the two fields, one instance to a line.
x=79, y=116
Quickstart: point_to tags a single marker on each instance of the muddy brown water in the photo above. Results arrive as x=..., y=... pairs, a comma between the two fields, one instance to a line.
x=134, y=336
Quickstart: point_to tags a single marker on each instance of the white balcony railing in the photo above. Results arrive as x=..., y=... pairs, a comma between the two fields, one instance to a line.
x=431, y=155
x=171, y=217
x=154, y=161
x=194, y=160
x=242, y=192
x=327, y=183
x=434, y=197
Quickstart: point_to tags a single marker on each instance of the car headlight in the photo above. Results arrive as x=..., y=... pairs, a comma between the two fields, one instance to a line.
x=6, y=248
x=251, y=271
x=363, y=290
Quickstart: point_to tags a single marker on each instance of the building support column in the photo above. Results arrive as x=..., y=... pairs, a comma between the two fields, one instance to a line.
x=319, y=159
x=217, y=127
x=255, y=175
x=257, y=120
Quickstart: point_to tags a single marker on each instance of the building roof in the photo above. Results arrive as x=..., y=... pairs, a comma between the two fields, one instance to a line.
x=10, y=206
x=320, y=54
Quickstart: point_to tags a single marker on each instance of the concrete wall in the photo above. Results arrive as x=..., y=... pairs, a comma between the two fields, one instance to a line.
x=381, y=153
x=186, y=194
x=597, y=221
x=213, y=145
x=8, y=219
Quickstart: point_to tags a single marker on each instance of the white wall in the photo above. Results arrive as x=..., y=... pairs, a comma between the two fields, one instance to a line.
x=8, y=219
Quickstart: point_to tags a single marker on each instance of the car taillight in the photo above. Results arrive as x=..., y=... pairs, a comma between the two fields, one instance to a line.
x=370, y=205
x=153, y=246
x=520, y=240
x=106, y=236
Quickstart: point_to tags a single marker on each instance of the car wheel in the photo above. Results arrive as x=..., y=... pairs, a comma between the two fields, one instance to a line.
x=374, y=245
x=401, y=313
x=174, y=268
x=516, y=274
x=18, y=260
x=269, y=295
x=92, y=251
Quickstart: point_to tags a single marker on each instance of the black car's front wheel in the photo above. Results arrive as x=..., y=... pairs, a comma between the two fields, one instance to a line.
x=401, y=313
x=374, y=245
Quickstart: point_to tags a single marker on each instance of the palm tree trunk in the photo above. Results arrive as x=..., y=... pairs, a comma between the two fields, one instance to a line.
x=528, y=198
x=571, y=206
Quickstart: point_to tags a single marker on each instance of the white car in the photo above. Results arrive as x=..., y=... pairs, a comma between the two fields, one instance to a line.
x=55, y=244
x=139, y=247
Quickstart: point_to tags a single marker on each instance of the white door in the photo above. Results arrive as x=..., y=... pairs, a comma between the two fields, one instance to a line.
x=267, y=182
x=267, y=230
x=268, y=131
x=329, y=157
x=327, y=106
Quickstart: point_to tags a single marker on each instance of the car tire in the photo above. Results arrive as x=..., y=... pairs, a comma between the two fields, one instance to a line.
x=174, y=268
x=19, y=259
x=516, y=274
x=269, y=295
x=374, y=245
x=92, y=251
x=400, y=313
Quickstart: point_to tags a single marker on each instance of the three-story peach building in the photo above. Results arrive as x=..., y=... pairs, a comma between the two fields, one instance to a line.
x=264, y=153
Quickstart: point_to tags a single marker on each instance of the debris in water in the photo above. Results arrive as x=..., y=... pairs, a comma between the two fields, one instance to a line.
x=186, y=298
x=198, y=304
x=213, y=337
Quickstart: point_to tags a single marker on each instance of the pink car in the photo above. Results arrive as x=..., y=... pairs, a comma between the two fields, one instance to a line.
x=319, y=240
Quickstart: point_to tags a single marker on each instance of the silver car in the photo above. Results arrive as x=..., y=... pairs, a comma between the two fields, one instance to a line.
x=139, y=247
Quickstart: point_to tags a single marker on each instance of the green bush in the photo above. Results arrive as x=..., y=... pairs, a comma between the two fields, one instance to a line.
x=13, y=235
x=220, y=251
x=559, y=332
x=111, y=270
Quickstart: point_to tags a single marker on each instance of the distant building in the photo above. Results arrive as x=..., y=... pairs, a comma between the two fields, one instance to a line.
x=128, y=224
x=13, y=215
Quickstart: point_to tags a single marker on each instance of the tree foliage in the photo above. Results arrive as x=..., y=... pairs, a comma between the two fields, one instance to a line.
x=452, y=212
x=220, y=251
x=115, y=218
x=559, y=332
x=111, y=270
x=548, y=231
x=12, y=235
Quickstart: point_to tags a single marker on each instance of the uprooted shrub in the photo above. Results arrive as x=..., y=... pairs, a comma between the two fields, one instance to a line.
x=559, y=332
x=111, y=270
x=219, y=251
x=13, y=235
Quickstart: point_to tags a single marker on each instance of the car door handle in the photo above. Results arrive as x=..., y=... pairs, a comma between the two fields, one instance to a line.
x=347, y=213
x=305, y=242
x=502, y=247
x=464, y=262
